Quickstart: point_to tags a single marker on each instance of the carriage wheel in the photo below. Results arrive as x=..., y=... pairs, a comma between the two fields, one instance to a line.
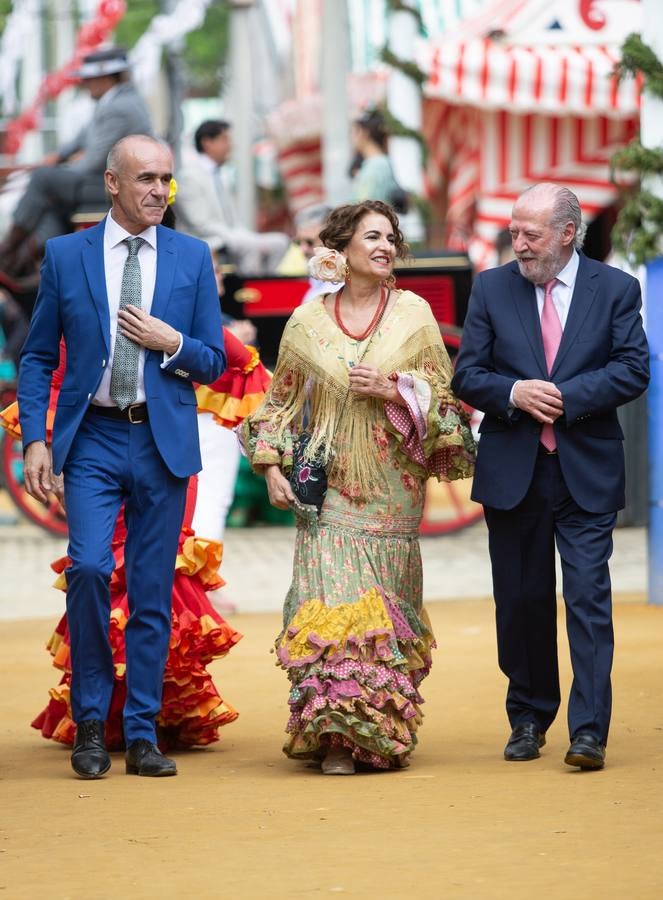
x=50, y=516
x=448, y=506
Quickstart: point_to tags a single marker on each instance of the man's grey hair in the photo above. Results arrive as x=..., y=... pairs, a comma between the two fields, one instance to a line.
x=312, y=215
x=566, y=208
x=114, y=159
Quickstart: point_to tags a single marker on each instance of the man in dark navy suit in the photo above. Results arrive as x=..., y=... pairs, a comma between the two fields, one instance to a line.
x=553, y=344
x=138, y=308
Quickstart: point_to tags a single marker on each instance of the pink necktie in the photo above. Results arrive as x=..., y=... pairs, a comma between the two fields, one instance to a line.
x=551, y=332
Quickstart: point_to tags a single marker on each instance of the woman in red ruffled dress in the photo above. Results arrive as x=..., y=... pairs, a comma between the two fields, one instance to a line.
x=192, y=710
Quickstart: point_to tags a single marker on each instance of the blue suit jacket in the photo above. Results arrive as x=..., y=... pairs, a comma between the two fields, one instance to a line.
x=72, y=301
x=603, y=362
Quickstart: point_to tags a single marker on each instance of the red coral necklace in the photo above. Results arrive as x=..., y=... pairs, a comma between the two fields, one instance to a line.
x=376, y=318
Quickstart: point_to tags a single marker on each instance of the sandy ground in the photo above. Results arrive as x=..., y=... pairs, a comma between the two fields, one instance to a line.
x=243, y=821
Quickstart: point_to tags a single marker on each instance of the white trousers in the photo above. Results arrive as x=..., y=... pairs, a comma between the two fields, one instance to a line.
x=219, y=449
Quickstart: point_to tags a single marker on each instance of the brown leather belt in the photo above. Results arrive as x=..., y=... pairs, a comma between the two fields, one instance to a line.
x=136, y=414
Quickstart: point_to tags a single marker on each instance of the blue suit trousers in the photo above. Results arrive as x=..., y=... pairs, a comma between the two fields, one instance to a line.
x=113, y=462
x=522, y=551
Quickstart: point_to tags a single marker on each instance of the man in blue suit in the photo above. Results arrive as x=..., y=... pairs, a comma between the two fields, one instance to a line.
x=553, y=344
x=138, y=308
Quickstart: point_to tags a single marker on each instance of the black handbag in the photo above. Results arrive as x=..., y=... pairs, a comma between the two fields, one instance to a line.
x=308, y=477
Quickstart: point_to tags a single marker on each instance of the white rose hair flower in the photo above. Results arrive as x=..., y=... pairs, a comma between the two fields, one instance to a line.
x=327, y=265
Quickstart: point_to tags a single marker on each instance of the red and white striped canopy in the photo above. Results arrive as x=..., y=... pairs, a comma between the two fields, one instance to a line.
x=555, y=78
x=526, y=92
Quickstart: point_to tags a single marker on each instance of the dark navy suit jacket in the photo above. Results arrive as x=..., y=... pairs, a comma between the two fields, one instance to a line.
x=603, y=362
x=72, y=301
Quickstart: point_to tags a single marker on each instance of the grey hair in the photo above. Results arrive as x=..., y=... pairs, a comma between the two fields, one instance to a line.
x=114, y=158
x=565, y=208
x=312, y=215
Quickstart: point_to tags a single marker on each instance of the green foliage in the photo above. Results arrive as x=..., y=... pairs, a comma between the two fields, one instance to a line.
x=207, y=51
x=204, y=52
x=637, y=58
x=410, y=69
x=403, y=6
x=636, y=158
x=5, y=9
x=396, y=127
x=138, y=16
x=638, y=230
x=639, y=227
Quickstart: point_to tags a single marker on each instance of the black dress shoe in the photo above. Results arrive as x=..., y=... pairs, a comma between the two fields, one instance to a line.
x=524, y=743
x=586, y=752
x=89, y=758
x=145, y=758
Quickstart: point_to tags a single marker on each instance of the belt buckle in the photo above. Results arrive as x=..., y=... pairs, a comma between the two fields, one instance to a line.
x=130, y=411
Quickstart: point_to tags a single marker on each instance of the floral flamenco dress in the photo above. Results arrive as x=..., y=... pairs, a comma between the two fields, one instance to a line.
x=356, y=642
x=192, y=710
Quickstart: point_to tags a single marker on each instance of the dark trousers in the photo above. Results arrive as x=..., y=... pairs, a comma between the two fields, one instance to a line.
x=522, y=551
x=111, y=462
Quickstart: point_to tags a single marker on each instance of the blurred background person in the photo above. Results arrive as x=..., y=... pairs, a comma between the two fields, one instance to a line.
x=206, y=206
x=371, y=170
x=309, y=222
x=54, y=189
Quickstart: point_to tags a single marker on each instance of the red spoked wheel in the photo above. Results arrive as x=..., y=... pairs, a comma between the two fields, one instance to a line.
x=50, y=516
x=448, y=506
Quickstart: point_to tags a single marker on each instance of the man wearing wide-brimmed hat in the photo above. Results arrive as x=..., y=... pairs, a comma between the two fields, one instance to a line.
x=55, y=188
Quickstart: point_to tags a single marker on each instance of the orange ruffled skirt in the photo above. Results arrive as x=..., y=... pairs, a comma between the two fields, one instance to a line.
x=192, y=710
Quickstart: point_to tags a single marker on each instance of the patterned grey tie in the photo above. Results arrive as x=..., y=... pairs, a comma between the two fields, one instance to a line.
x=124, y=375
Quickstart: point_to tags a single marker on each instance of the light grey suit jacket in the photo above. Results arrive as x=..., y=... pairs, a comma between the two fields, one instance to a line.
x=199, y=209
x=124, y=112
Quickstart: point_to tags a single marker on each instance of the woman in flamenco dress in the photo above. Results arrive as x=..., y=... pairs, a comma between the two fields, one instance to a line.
x=192, y=710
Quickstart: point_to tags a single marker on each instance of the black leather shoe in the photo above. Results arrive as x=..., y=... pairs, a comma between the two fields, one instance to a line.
x=89, y=758
x=524, y=743
x=585, y=752
x=145, y=758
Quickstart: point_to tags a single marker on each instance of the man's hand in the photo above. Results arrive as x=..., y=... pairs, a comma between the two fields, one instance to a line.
x=540, y=399
x=38, y=471
x=278, y=487
x=147, y=331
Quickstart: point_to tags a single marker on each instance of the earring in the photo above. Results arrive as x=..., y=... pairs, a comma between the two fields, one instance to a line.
x=390, y=282
x=346, y=272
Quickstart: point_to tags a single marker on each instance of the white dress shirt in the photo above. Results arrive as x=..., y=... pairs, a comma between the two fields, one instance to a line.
x=115, y=255
x=562, y=294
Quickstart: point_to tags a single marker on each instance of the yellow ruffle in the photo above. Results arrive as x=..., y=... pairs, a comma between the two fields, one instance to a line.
x=253, y=362
x=9, y=420
x=201, y=557
x=60, y=583
x=366, y=619
x=198, y=556
x=227, y=410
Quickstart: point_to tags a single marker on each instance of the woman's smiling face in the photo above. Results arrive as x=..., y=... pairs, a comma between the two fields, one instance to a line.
x=372, y=249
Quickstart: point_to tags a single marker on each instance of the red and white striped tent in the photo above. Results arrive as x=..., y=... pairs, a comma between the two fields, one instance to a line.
x=526, y=92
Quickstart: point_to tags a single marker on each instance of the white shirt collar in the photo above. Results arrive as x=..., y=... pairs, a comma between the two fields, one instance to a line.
x=568, y=274
x=114, y=234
